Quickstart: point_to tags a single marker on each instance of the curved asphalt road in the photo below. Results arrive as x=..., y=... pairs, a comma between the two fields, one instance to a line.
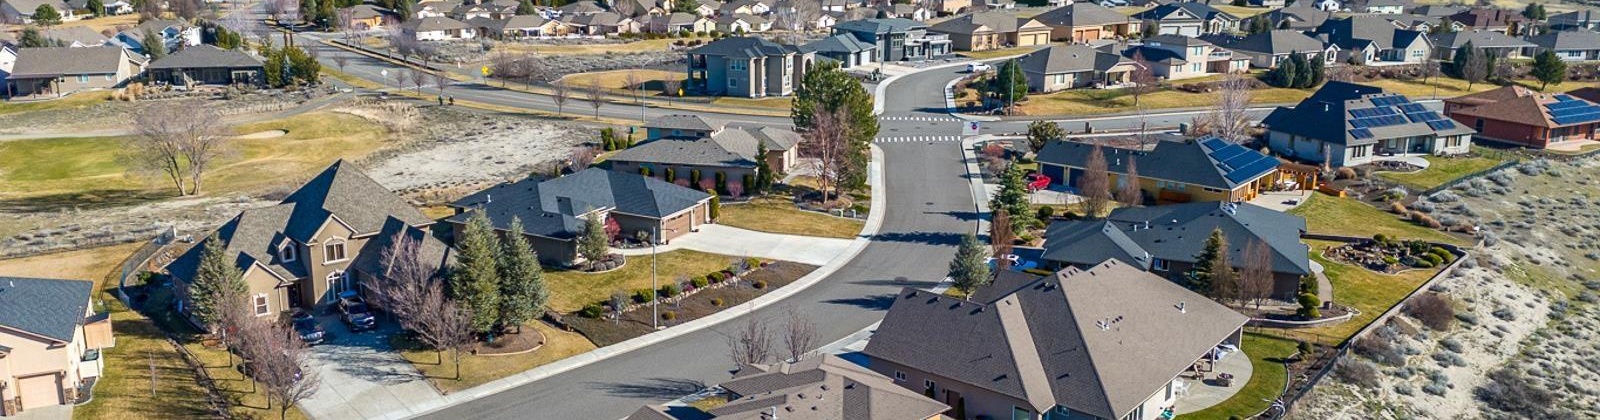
x=930, y=206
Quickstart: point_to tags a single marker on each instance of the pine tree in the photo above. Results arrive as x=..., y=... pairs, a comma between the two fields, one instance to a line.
x=1212, y=275
x=764, y=175
x=1549, y=69
x=46, y=15
x=1010, y=75
x=402, y=8
x=970, y=269
x=1013, y=198
x=1302, y=76
x=827, y=87
x=475, y=278
x=216, y=281
x=522, y=290
x=32, y=38
x=1319, y=70
x=95, y=7
x=525, y=7
x=154, y=46
x=302, y=65
x=593, y=244
x=1043, y=132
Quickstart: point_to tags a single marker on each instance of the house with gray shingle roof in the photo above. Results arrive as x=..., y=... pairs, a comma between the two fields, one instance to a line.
x=896, y=39
x=1060, y=67
x=1189, y=19
x=50, y=342
x=825, y=387
x=687, y=148
x=438, y=28
x=21, y=11
x=1167, y=240
x=75, y=36
x=553, y=211
x=1379, y=35
x=1575, y=45
x=207, y=65
x=1086, y=21
x=1111, y=341
x=844, y=49
x=992, y=29
x=1347, y=124
x=1445, y=45
x=60, y=71
x=324, y=238
x=748, y=67
x=1267, y=49
x=1175, y=169
x=1175, y=57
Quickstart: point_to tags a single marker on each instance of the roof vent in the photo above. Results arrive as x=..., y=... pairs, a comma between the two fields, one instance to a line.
x=1181, y=309
x=488, y=198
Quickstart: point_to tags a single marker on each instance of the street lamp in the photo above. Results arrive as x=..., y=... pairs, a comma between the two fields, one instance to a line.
x=655, y=290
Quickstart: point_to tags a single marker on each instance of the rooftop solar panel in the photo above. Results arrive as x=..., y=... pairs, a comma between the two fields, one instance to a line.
x=1389, y=100
x=1575, y=118
x=1228, y=152
x=1565, y=98
x=1441, y=125
x=1213, y=143
x=1361, y=133
x=1241, y=160
x=1412, y=107
x=1564, y=105
x=1252, y=170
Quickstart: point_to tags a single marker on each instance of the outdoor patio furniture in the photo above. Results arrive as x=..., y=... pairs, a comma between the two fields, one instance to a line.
x=1224, y=379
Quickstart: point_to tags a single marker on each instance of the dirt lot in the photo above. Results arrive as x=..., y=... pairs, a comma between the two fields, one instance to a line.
x=1523, y=343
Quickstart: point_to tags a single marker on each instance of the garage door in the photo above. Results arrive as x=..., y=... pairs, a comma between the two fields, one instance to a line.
x=40, y=391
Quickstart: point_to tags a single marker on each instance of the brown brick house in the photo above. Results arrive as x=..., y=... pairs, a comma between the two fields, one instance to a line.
x=1521, y=117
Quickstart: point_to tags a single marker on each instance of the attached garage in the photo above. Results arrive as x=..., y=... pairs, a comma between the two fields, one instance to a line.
x=1082, y=35
x=1033, y=38
x=40, y=391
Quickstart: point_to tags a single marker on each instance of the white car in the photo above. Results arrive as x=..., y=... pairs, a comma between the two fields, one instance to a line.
x=977, y=67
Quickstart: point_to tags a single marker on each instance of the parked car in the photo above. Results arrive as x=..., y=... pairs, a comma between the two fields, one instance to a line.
x=306, y=327
x=977, y=68
x=355, y=312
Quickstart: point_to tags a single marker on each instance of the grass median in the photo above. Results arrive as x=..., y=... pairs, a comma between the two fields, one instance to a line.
x=570, y=290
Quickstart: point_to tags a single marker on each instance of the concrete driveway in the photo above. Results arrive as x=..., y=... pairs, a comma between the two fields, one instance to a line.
x=726, y=240
x=363, y=377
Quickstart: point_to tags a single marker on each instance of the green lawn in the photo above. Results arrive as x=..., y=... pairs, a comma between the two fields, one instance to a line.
x=1267, y=354
x=477, y=370
x=1370, y=292
x=80, y=100
x=570, y=290
x=1441, y=170
x=1345, y=216
x=779, y=215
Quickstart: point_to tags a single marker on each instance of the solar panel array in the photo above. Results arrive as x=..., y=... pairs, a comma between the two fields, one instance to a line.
x=1361, y=133
x=1569, y=110
x=1384, y=114
x=1238, y=163
x=1390, y=100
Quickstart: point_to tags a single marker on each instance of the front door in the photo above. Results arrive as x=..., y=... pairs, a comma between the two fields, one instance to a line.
x=294, y=296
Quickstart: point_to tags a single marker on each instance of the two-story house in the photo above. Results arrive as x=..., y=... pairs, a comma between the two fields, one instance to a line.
x=1189, y=19
x=50, y=342
x=1346, y=124
x=990, y=30
x=1085, y=21
x=324, y=238
x=747, y=67
x=897, y=39
x=1375, y=38
x=1180, y=57
x=1108, y=342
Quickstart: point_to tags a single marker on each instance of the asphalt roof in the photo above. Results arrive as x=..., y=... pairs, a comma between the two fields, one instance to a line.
x=553, y=207
x=56, y=61
x=1177, y=232
x=880, y=26
x=1375, y=28
x=825, y=387
x=743, y=47
x=1070, y=59
x=996, y=21
x=80, y=34
x=1184, y=11
x=1520, y=105
x=1578, y=39
x=1340, y=112
x=1189, y=162
x=433, y=23
x=1480, y=39
x=205, y=56
x=1098, y=341
x=46, y=307
x=1081, y=14
x=841, y=43
x=1298, y=17
x=1278, y=41
x=680, y=122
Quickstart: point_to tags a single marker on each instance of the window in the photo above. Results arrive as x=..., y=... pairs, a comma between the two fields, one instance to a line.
x=733, y=83
x=899, y=376
x=337, y=281
x=110, y=77
x=1019, y=413
x=1478, y=125
x=83, y=78
x=288, y=252
x=1358, y=151
x=928, y=384
x=261, y=305
x=1158, y=264
x=1061, y=79
x=333, y=251
x=1195, y=67
x=738, y=65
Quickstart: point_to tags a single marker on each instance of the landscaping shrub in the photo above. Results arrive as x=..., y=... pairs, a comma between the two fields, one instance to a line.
x=669, y=316
x=1422, y=264
x=1433, y=258
x=715, y=277
x=759, y=284
x=716, y=301
x=671, y=290
x=643, y=296
x=1046, y=212
x=1425, y=220
x=1394, y=194
x=700, y=282
x=1380, y=350
x=1397, y=208
x=593, y=310
x=1358, y=372
x=1390, y=260
x=1444, y=254
x=752, y=263
x=1433, y=310
x=1305, y=348
x=1308, y=306
x=1344, y=173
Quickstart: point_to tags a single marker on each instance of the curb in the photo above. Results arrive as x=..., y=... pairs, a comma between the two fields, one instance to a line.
x=874, y=222
x=883, y=86
x=980, y=195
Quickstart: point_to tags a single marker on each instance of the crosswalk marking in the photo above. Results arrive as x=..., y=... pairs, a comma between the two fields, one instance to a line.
x=936, y=119
x=917, y=139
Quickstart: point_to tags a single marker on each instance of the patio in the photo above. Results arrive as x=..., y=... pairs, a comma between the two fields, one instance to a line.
x=1200, y=394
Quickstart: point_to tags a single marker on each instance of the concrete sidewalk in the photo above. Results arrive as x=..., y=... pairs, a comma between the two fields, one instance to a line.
x=727, y=240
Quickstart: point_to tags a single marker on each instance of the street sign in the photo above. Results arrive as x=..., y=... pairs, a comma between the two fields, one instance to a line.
x=485, y=70
x=384, y=72
x=969, y=128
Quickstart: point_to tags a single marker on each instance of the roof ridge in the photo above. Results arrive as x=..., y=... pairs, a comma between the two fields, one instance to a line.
x=1094, y=369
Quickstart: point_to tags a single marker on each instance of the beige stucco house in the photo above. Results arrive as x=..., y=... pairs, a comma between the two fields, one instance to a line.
x=59, y=71
x=990, y=30
x=50, y=341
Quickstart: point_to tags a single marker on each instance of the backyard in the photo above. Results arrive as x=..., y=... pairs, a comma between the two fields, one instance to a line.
x=80, y=100
x=1346, y=216
x=1267, y=354
x=779, y=215
x=1441, y=170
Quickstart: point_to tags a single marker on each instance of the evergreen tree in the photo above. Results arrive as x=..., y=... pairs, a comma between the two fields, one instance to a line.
x=475, y=278
x=593, y=244
x=1534, y=11
x=32, y=38
x=970, y=269
x=685, y=6
x=1302, y=75
x=1013, y=199
x=302, y=65
x=1285, y=75
x=714, y=209
x=525, y=7
x=522, y=290
x=46, y=15
x=154, y=45
x=1010, y=75
x=834, y=90
x=1043, y=132
x=1549, y=69
x=95, y=7
x=402, y=9
x=1319, y=70
x=216, y=281
x=1212, y=272
x=764, y=175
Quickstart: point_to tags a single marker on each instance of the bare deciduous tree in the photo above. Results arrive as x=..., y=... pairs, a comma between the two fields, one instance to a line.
x=1001, y=237
x=1128, y=193
x=1095, y=185
x=559, y=93
x=418, y=78
x=581, y=157
x=594, y=94
x=632, y=81
x=670, y=86
x=412, y=290
x=1255, y=279
x=282, y=365
x=1228, y=118
x=626, y=8
x=827, y=144
x=178, y=140
x=751, y=344
x=341, y=61
x=799, y=335
x=1143, y=79
x=440, y=81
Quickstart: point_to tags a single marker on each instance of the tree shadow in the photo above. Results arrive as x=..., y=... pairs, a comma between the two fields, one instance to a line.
x=931, y=238
x=965, y=216
x=80, y=200
x=652, y=388
x=874, y=302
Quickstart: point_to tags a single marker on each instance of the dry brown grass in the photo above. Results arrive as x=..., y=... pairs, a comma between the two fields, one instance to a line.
x=477, y=370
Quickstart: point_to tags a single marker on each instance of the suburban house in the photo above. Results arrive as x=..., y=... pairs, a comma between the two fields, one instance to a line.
x=524, y=26
x=1376, y=39
x=844, y=49
x=1060, y=67
x=1424, y=24
x=582, y=7
x=326, y=237
x=111, y=7
x=207, y=65
x=1346, y=124
x=1522, y=117
x=364, y=16
x=75, y=36
x=437, y=28
x=1168, y=239
x=1386, y=7
x=951, y=7
x=1436, y=10
x=1569, y=45
x=8, y=61
x=1296, y=18
x=21, y=11
x=743, y=23
x=990, y=30
x=825, y=387
x=906, y=11
x=602, y=24
x=175, y=34
x=1085, y=21
x=1267, y=49
x=897, y=39
x=747, y=67
x=1175, y=170
x=1445, y=45
x=679, y=23
x=1581, y=19
x=1108, y=342
x=1180, y=57
x=60, y=71
x=1509, y=22
x=50, y=343
x=692, y=149
x=553, y=211
x=1189, y=19
x=1268, y=3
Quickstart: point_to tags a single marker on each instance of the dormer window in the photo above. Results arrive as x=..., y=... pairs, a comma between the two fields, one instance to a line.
x=333, y=251
x=288, y=252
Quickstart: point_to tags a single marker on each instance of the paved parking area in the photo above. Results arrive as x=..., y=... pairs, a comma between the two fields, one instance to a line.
x=363, y=377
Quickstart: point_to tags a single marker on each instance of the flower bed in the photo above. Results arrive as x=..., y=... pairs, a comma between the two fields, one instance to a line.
x=1387, y=255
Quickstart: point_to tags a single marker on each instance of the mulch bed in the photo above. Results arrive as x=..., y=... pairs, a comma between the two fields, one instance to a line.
x=511, y=342
x=635, y=323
